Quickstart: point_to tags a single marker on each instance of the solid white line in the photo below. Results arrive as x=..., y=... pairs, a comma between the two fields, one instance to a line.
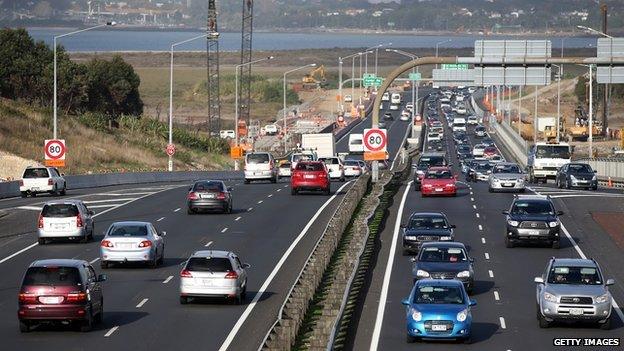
x=487, y=256
x=160, y=219
x=249, y=209
x=18, y=252
x=483, y=240
x=111, y=331
x=108, y=200
x=224, y=230
x=496, y=296
x=142, y=303
x=168, y=279
x=502, y=323
x=270, y=195
x=491, y=274
x=276, y=269
x=126, y=194
x=480, y=227
x=386, y=282
x=103, y=205
x=616, y=307
x=208, y=244
x=238, y=218
x=260, y=201
x=94, y=260
x=177, y=209
x=32, y=208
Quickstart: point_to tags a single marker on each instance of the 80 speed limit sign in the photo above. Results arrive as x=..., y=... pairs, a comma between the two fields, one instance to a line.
x=375, y=140
x=54, y=150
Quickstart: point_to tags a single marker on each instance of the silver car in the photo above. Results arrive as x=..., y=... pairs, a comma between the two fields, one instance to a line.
x=212, y=273
x=573, y=289
x=132, y=242
x=69, y=219
x=506, y=176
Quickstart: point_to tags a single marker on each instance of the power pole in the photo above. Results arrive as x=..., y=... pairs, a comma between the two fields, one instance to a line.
x=605, y=95
x=245, y=76
x=212, y=47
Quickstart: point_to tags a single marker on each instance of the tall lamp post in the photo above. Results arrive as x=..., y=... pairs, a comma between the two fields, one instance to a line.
x=369, y=50
x=170, y=163
x=55, y=68
x=237, y=68
x=340, y=62
x=285, y=73
x=437, y=46
x=414, y=83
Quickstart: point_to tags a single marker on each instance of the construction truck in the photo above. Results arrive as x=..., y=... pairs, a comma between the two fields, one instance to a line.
x=579, y=130
x=310, y=80
x=544, y=159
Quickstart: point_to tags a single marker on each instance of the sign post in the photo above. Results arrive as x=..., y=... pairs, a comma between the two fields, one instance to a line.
x=171, y=149
x=375, y=143
x=54, y=150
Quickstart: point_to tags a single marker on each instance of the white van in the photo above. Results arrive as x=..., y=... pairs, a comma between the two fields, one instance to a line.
x=396, y=98
x=270, y=129
x=260, y=166
x=459, y=124
x=356, y=143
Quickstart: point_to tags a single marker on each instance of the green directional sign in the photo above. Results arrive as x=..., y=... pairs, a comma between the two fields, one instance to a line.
x=454, y=66
x=372, y=81
x=368, y=75
x=415, y=76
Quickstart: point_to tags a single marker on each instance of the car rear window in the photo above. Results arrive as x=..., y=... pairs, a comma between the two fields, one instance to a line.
x=52, y=276
x=59, y=210
x=257, y=158
x=330, y=161
x=208, y=186
x=36, y=173
x=209, y=264
x=128, y=230
x=355, y=141
x=310, y=167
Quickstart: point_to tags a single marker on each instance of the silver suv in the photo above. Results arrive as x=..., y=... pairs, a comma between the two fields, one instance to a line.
x=573, y=289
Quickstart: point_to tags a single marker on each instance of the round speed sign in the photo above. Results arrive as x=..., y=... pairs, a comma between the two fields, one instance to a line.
x=54, y=149
x=375, y=139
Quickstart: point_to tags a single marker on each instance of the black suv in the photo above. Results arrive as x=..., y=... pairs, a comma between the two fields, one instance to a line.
x=440, y=260
x=423, y=227
x=532, y=218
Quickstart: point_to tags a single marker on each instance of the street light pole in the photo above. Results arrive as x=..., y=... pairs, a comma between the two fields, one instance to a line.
x=341, y=98
x=591, y=110
x=437, y=45
x=55, y=113
x=414, y=83
x=285, y=73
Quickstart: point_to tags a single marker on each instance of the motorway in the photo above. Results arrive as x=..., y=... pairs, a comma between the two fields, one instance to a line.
x=269, y=229
x=504, y=318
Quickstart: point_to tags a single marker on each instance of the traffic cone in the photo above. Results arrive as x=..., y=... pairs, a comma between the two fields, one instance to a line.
x=610, y=184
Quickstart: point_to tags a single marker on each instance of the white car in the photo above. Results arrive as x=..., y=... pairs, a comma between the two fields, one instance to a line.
x=69, y=219
x=212, y=273
x=461, y=110
x=301, y=156
x=409, y=106
x=132, y=242
x=270, y=129
x=37, y=180
x=260, y=166
x=227, y=134
x=433, y=136
x=381, y=106
x=284, y=170
x=395, y=98
x=356, y=143
x=394, y=107
x=354, y=168
x=472, y=120
x=385, y=96
x=405, y=115
x=477, y=150
x=335, y=167
x=348, y=98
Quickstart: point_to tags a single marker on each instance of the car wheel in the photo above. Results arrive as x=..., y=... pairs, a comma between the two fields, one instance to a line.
x=543, y=323
x=406, y=252
x=293, y=191
x=410, y=339
x=558, y=183
x=238, y=300
x=490, y=189
x=274, y=179
x=64, y=190
x=246, y=181
x=100, y=316
x=326, y=191
x=556, y=244
x=467, y=340
x=87, y=324
x=24, y=326
x=154, y=262
x=161, y=260
x=416, y=187
x=33, y=194
x=24, y=194
x=190, y=211
x=41, y=241
x=509, y=243
x=567, y=184
x=606, y=325
x=104, y=265
x=85, y=239
x=343, y=179
x=523, y=190
x=183, y=300
x=594, y=188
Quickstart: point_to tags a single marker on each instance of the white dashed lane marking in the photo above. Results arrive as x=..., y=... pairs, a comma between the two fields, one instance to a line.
x=224, y=230
x=160, y=219
x=487, y=256
x=142, y=303
x=177, y=209
x=94, y=260
x=502, y=323
x=111, y=331
x=483, y=240
x=480, y=227
x=260, y=201
x=496, y=296
x=168, y=279
x=249, y=209
x=209, y=243
x=238, y=218
x=491, y=274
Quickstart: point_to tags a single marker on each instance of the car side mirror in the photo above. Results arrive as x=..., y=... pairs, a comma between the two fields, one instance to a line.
x=405, y=302
x=610, y=282
x=229, y=188
x=190, y=188
x=471, y=259
x=559, y=213
x=453, y=226
x=63, y=174
x=101, y=278
x=505, y=212
x=246, y=265
x=413, y=259
x=539, y=280
x=90, y=212
x=595, y=171
x=473, y=302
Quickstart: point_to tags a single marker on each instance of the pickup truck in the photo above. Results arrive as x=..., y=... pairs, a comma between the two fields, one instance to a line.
x=37, y=180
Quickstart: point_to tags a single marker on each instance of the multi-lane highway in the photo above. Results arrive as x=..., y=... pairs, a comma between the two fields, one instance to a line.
x=269, y=229
x=505, y=317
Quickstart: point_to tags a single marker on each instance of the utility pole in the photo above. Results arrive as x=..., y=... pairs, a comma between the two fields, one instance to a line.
x=605, y=95
x=212, y=48
x=246, y=53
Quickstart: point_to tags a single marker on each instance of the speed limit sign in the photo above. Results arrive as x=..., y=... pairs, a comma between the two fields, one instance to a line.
x=375, y=140
x=54, y=150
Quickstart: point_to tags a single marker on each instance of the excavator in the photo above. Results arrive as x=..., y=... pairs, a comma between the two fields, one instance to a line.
x=310, y=81
x=580, y=131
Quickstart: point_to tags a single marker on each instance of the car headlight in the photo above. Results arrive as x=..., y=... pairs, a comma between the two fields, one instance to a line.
x=512, y=223
x=595, y=178
x=550, y=297
x=410, y=237
x=572, y=177
x=520, y=180
x=603, y=298
x=463, y=274
x=496, y=180
x=416, y=316
x=446, y=238
x=422, y=274
x=462, y=315
x=553, y=224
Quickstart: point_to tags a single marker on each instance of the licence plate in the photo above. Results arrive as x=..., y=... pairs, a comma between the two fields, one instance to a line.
x=576, y=311
x=51, y=299
x=207, y=196
x=207, y=282
x=257, y=173
x=59, y=226
x=533, y=232
x=125, y=246
x=439, y=189
x=309, y=176
x=437, y=327
x=34, y=188
x=507, y=184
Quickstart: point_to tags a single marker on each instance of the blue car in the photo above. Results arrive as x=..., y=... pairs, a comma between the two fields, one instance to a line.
x=438, y=309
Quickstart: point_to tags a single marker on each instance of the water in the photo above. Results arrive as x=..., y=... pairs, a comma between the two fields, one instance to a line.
x=128, y=40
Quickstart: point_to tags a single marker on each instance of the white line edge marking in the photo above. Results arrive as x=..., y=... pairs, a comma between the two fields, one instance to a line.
x=491, y=274
x=108, y=200
x=269, y=279
x=502, y=322
x=111, y=331
x=95, y=215
x=496, y=296
x=142, y=303
x=168, y=279
x=94, y=260
x=31, y=208
x=386, y=282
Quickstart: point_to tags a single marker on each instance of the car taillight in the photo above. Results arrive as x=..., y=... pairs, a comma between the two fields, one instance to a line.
x=145, y=243
x=50, y=181
x=106, y=243
x=231, y=275
x=40, y=221
x=221, y=196
x=27, y=297
x=192, y=196
x=185, y=274
x=21, y=183
x=358, y=168
x=322, y=175
x=76, y=296
x=79, y=223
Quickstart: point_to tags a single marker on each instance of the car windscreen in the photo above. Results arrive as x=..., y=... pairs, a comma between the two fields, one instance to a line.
x=355, y=141
x=580, y=168
x=351, y=163
x=208, y=186
x=302, y=157
x=130, y=230
x=427, y=223
x=431, y=161
x=532, y=208
x=257, y=158
x=330, y=161
x=52, y=276
x=483, y=167
x=552, y=151
x=512, y=169
x=36, y=173
x=574, y=275
x=59, y=210
x=427, y=294
x=209, y=264
x=439, y=175
x=442, y=254
x=310, y=167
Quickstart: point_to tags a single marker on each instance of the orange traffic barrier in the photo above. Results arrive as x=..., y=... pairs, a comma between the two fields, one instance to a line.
x=610, y=184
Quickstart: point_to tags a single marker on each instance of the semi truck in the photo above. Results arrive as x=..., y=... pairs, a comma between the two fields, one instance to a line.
x=322, y=143
x=545, y=159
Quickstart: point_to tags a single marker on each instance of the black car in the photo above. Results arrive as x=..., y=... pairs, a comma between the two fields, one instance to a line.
x=428, y=159
x=532, y=218
x=576, y=175
x=207, y=195
x=487, y=141
x=423, y=227
x=435, y=145
x=388, y=116
x=463, y=151
x=479, y=170
x=444, y=260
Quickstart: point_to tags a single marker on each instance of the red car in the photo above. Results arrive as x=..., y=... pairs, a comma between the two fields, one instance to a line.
x=490, y=151
x=60, y=291
x=309, y=175
x=438, y=181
